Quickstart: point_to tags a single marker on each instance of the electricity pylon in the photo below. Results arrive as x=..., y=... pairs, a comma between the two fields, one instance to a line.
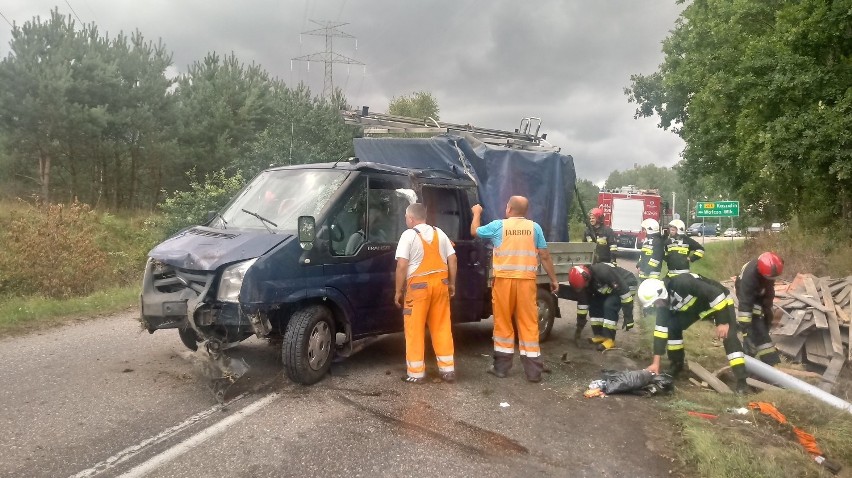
x=329, y=57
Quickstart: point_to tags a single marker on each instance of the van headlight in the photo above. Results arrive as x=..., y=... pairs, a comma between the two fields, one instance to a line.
x=232, y=281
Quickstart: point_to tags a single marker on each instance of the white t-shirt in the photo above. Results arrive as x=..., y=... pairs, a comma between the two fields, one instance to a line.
x=411, y=248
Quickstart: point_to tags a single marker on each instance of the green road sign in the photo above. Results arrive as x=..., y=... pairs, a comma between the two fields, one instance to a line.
x=717, y=209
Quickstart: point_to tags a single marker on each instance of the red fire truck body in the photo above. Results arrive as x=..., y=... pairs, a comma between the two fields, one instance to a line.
x=624, y=210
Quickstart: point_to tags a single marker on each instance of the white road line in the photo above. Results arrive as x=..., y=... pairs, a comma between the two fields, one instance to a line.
x=198, y=438
x=134, y=450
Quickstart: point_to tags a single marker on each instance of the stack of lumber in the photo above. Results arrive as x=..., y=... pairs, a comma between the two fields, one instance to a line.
x=813, y=322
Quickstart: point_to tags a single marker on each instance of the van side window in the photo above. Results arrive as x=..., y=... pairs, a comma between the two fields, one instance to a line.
x=386, y=216
x=348, y=224
x=443, y=211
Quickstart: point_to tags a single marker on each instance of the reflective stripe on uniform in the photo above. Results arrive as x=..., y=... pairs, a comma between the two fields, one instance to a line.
x=530, y=354
x=685, y=303
x=506, y=350
x=736, y=358
x=675, y=344
x=595, y=320
x=661, y=332
x=609, y=324
x=627, y=297
x=653, y=262
x=500, y=253
x=515, y=268
x=406, y=311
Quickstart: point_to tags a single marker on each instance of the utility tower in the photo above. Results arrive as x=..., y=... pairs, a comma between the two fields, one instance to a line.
x=329, y=30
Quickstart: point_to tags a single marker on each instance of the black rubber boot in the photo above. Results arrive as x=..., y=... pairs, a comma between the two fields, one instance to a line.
x=742, y=387
x=675, y=368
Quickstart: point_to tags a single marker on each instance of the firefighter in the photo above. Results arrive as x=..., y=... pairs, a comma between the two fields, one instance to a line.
x=602, y=235
x=518, y=245
x=601, y=291
x=425, y=277
x=680, y=249
x=686, y=299
x=651, y=255
x=755, y=288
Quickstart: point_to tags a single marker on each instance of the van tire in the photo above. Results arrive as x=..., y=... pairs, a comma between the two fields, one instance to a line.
x=189, y=337
x=308, y=346
x=546, y=304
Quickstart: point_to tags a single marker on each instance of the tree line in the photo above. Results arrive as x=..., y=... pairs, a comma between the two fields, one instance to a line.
x=98, y=119
x=760, y=92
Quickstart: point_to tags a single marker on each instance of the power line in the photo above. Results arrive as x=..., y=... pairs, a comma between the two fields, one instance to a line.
x=7, y=20
x=75, y=13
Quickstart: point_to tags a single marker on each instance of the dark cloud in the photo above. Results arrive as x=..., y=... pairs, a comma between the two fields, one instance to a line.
x=488, y=62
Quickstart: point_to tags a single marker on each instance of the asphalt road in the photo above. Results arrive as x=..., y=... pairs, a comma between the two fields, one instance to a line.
x=104, y=398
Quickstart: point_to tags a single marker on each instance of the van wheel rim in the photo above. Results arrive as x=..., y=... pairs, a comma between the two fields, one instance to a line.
x=319, y=345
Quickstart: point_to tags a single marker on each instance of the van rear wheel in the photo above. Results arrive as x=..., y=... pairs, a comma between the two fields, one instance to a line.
x=308, y=345
x=546, y=303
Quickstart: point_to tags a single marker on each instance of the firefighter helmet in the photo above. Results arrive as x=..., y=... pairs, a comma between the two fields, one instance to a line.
x=597, y=213
x=681, y=227
x=769, y=265
x=651, y=226
x=579, y=277
x=650, y=291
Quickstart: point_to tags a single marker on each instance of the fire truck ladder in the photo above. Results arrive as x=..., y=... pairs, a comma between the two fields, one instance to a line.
x=526, y=137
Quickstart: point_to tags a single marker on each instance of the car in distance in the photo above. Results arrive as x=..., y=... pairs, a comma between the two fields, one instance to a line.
x=778, y=227
x=699, y=229
x=732, y=232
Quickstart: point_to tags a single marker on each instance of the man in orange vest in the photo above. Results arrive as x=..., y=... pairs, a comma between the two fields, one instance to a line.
x=426, y=278
x=518, y=245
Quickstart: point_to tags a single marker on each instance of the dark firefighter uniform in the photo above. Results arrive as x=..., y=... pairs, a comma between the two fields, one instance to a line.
x=605, y=240
x=651, y=257
x=680, y=252
x=755, y=294
x=611, y=289
x=691, y=298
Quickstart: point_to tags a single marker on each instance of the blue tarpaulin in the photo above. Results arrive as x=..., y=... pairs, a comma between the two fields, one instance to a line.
x=545, y=178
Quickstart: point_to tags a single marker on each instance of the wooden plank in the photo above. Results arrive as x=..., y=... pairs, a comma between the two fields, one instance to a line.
x=815, y=349
x=820, y=320
x=761, y=385
x=836, y=285
x=807, y=324
x=833, y=325
x=789, y=323
x=831, y=373
x=708, y=377
x=810, y=286
x=841, y=315
x=809, y=301
x=843, y=296
x=790, y=346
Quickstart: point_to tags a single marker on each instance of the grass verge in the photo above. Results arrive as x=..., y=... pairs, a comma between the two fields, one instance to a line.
x=20, y=315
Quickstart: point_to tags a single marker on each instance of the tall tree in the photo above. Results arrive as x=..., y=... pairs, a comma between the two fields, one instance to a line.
x=420, y=104
x=759, y=91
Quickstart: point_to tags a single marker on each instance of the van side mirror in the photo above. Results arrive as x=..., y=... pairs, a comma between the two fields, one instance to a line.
x=307, y=231
x=210, y=216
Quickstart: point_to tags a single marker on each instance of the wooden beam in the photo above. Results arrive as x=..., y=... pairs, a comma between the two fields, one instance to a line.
x=831, y=373
x=807, y=300
x=833, y=325
x=761, y=385
x=708, y=377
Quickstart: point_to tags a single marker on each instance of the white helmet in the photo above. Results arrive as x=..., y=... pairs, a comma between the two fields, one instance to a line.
x=651, y=226
x=650, y=291
x=681, y=227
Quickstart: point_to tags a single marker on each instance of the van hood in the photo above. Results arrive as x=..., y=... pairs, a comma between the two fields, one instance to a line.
x=206, y=249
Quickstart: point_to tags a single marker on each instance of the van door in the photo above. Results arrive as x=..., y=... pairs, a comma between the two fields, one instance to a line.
x=362, y=261
x=447, y=208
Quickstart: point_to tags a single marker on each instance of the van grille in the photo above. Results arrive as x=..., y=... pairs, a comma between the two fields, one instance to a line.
x=168, y=279
x=205, y=233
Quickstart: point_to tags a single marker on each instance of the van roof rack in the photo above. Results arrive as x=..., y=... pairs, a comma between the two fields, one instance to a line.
x=525, y=137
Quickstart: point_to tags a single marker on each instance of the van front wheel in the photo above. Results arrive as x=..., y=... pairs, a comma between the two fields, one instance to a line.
x=308, y=345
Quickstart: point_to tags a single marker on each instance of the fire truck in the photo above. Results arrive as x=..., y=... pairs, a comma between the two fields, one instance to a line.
x=624, y=210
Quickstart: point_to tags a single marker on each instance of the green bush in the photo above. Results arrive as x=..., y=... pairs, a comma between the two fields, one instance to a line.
x=185, y=208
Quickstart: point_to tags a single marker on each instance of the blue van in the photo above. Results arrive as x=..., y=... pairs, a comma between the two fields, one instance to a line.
x=306, y=254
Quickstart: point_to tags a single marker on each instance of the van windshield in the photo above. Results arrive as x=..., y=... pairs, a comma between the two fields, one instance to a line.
x=280, y=197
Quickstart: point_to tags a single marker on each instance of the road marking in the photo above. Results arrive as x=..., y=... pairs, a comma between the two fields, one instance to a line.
x=134, y=450
x=198, y=438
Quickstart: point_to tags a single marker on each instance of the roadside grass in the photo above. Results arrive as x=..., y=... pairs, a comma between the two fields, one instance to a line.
x=23, y=315
x=754, y=445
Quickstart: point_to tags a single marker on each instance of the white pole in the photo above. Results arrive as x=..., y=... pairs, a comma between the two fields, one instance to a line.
x=674, y=205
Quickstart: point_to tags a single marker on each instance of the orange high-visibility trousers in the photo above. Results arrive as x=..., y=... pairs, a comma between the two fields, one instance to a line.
x=427, y=302
x=516, y=297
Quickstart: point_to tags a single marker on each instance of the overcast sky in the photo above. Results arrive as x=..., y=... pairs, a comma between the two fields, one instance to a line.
x=487, y=62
